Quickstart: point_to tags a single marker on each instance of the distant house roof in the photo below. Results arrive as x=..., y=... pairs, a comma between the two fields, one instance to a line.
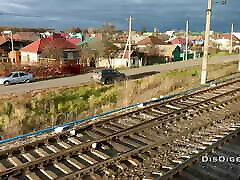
x=65, y=35
x=85, y=41
x=180, y=40
x=74, y=40
x=3, y=40
x=25, y=36
x=167, y=50
x=196, y=38
x=152, y=41
x=237, y=34
x=169, y=47
x=41, y=44
x=226, y=36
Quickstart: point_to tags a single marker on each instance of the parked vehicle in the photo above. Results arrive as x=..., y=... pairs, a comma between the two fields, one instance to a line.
x=16, y=77
x=108, y=76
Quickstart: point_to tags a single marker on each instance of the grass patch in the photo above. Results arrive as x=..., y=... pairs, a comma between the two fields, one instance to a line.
x=226, y=53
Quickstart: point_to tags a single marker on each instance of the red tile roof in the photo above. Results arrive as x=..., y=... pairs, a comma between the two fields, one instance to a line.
x=180, y=40
x=152, y=40
x=41, y=44
x=226, y=36
x=74, y=40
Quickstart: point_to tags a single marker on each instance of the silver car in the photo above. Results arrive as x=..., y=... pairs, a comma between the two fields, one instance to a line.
x=16, y=77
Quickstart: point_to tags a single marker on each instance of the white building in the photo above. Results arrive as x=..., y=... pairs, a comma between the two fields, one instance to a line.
x=170, y=33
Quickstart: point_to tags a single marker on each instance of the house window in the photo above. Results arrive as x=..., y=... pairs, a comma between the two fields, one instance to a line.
x=70, y=55
x=65, y=55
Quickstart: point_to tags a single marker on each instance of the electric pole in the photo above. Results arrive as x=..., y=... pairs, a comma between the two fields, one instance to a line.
x=130, y=40
x=128, y=44
x=239, y=62
x=231, y=46
x=186, y=57
x=206, y=43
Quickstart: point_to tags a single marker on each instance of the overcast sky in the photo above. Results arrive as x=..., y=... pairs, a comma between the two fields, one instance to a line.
x=164, y=14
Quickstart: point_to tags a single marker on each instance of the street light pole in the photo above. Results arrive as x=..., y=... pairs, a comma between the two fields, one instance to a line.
x=206, y=43
x=12, y=41
x=130, y=41
x=186, y=57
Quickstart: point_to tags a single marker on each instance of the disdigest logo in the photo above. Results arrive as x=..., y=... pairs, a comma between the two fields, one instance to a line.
x=220, y=159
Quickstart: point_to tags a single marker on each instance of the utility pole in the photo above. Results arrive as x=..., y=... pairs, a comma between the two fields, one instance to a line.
x=12, y=41
x=186, y=56
x=206, y=43
x=130, y=41
x=231, y=46
x=239, y=62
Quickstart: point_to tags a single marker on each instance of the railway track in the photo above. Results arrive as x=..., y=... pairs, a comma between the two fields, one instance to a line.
x=219, y=140
x=219, y=161
x=159, y=160
x=118, y=145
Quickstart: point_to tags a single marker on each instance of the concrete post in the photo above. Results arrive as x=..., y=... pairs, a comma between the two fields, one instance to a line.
x=206, y=43
x=231, y=41
x=130, y=41
x=239, y=62
x=186, y=57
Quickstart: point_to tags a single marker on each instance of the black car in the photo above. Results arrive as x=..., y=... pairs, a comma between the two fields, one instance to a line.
x=108, y=76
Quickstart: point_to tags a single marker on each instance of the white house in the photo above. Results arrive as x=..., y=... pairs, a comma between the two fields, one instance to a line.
x=170, y=33
x=121, y=61
x=60, y=46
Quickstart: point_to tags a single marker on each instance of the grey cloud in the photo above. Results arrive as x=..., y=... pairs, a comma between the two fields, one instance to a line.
x=165, y=14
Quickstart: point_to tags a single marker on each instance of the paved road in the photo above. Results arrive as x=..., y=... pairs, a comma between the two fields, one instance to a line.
x=79, y=79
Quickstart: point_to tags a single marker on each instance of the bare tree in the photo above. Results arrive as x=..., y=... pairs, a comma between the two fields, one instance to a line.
x=75, y=30
x=53, y=53
x=108, y=28
x=98, y=48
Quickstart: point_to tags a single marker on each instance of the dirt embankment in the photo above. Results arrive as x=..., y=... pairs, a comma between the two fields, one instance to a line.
x=38, y=110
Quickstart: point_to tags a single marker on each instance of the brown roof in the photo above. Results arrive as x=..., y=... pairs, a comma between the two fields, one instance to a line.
x=195, y=38
x=151, y=40
x=126, y=55
x=226, y=36
x=3, y=40
x=25, y=36
x=41, y=44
